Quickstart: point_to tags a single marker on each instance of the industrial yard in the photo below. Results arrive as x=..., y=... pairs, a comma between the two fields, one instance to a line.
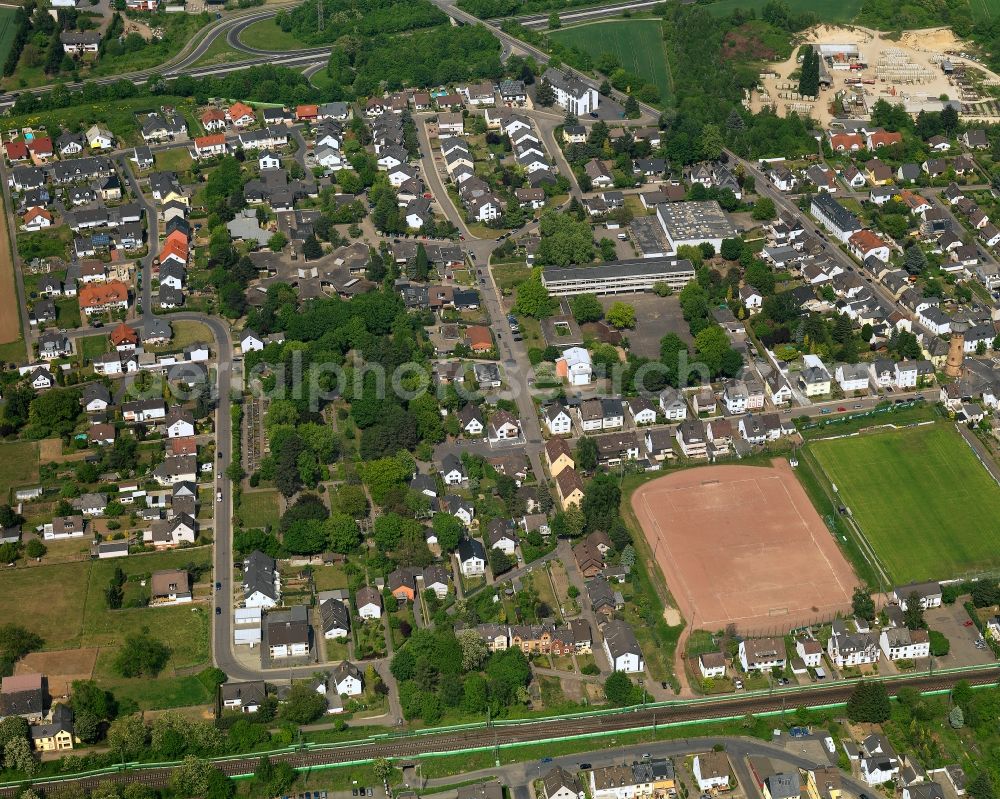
x=860, y=66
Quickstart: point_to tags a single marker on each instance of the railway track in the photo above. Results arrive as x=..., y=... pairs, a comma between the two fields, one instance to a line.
x=535, y=731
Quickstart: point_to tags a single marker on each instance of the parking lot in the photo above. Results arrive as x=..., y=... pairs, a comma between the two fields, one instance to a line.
x=655, y=317
x=950, y=621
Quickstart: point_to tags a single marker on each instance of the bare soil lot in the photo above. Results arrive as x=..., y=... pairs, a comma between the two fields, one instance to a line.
x=61, y=667
x=743, y=545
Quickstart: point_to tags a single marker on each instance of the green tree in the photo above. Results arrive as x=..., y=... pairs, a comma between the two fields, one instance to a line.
x=12, y=728
x=586, y=454
x=382, y=769
x=351, y=499
x=277, y=242
x=192, y=777
x=306, y=537
x=501, y=562
x=809, y=76
x=219, y=786
x=763, y=210
x=913, y=616
x=586, y=308
x=760, y=276
x=712, y=344
x=914, y=259
x=474, y=650
x=533, y=298
x=88, y=697
x=862, y=604
x=303, y=705
x=448, y=530
x=545, y=95
x=9, y=517
x=421, y=267
x=312, y=249
x=141, y=656
x=621, y=316
x=601, y=502
x=565, y=240
x=940, y=645
x=869, y=703
x=712, y=142
x=17, y=755
x=127, y=737
x=618, y=689
x=554, y=21
x=342, y=533
x=981, y=787
x=731, y=249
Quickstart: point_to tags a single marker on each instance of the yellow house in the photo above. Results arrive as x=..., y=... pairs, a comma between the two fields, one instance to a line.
x=558, y=454
x=57, y=735
x=824, y=783
x=570, y=488
x=174, y=196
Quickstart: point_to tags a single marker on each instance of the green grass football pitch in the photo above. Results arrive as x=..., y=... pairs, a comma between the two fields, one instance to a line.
x=927, y=506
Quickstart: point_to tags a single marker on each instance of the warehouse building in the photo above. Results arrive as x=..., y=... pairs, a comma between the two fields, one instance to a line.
x=694, y=223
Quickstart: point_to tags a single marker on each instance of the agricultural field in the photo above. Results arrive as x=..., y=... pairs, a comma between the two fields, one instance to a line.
x=923, y=501
x=985, y=10
x=8, y=27
x=638, y=44
x=824, y=11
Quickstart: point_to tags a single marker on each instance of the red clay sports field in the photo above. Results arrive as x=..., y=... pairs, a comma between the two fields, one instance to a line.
x=743, y=545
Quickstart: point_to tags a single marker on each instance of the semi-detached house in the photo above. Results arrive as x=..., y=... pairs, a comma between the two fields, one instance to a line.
x=899, y=643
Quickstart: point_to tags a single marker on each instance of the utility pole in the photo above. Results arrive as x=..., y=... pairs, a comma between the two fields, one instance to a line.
x=319, y=15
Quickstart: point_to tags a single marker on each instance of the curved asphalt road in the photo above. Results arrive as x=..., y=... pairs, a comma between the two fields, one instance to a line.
x=178, y=65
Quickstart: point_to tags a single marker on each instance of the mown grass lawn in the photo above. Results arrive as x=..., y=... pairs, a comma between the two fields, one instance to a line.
x=266, y=35
x=49, y=599
x=68, y=313
x=90, y=347
x=259, y=508
x=186, y=332
x=929, y=509
x=18, y=467
x=175, y=160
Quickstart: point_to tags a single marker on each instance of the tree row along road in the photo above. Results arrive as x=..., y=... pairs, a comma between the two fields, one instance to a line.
x=538, y=731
